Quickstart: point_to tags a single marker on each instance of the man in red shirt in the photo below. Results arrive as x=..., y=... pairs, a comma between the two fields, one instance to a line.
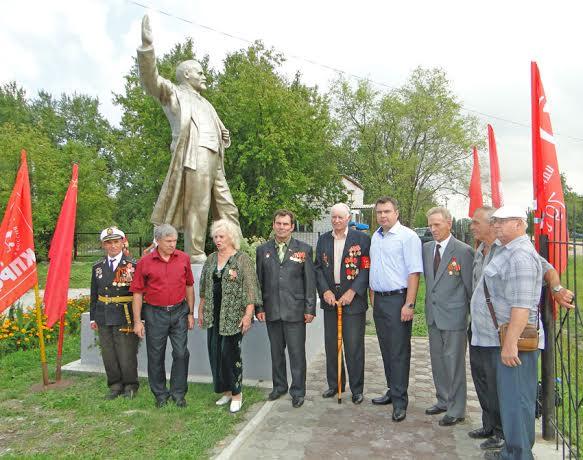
x=163, y=289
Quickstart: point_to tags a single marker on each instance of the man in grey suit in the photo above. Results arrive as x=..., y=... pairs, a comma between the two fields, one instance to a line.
x=288, y=286
x=447, y=266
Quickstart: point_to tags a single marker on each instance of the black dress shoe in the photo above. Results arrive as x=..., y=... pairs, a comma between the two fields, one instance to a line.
x=434, y=410
x=161, y=402
x=493, y=443
x=383, y=400
x=298, y=402
x=275, y=395
x=329, y=393
x=181, y=402
x=399, y=414
x=357, y=399
x=112, y=395
x=449, y=421
x=480, y=433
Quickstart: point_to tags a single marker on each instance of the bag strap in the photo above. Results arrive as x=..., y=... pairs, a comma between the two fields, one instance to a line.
x=493, y=315
x=490, y=307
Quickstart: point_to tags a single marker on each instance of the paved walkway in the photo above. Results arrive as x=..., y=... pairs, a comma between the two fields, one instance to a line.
x=323, y=429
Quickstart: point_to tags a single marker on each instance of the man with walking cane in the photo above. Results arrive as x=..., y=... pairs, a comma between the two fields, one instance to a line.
x=342, y=265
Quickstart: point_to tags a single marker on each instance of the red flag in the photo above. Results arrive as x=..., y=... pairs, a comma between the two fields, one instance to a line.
x=550, y=213
x=60, y=255
x=17, y=260
x=475, y=186
x=496, y=183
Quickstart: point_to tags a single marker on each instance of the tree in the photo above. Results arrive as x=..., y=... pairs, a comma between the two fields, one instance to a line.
x=56, y=133
x=412, y=142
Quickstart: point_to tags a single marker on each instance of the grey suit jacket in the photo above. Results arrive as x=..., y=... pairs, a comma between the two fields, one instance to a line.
x=288, y=288
x=448, y=293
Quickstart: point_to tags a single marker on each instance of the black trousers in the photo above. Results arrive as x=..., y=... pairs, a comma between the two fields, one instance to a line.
x=292, y=335
x=483, y=366
x=225, y=360
x=353, y=327
x=162, y=325
x=119, y=351
x=395, y=343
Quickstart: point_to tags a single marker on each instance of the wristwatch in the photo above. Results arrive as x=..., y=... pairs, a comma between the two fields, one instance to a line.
x=411, y=306
x=557, y=288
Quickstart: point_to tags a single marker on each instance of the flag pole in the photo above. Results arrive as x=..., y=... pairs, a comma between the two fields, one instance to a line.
x=60, y=347
x=41, y=336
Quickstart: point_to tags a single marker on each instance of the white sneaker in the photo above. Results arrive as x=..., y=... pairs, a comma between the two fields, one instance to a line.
x=236, y=405
x=224, y=400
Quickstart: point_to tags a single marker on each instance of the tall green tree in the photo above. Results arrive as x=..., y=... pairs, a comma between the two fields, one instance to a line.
x=412, y=142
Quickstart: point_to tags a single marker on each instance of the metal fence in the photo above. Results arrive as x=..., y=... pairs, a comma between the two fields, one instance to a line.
x=562, y=359
x=88, y=245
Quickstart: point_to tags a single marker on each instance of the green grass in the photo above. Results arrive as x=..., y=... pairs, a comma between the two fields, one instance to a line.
x=78, y=422
x=80, y=274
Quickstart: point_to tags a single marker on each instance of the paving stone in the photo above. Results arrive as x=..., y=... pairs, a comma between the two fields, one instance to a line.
x=324, y=430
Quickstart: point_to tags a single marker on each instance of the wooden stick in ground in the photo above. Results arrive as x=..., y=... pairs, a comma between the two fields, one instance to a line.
x=339, y=316
x=41, y=336
x=60, y=348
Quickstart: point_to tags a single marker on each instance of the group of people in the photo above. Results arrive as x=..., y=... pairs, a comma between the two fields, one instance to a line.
x=350, y=270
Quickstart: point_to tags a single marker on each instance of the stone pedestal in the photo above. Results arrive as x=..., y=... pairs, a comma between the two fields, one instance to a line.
x=256, y=354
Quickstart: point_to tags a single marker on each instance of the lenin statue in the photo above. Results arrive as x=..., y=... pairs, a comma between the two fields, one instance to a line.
x=195, y=181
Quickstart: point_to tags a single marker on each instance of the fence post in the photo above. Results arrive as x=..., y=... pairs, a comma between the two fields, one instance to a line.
x=547, y=356
x=75, y=244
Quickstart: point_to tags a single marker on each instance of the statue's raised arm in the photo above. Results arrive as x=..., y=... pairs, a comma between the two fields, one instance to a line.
x=152, y=82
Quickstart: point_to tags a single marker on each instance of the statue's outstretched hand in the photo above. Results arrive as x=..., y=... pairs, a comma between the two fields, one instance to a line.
x=146, y=32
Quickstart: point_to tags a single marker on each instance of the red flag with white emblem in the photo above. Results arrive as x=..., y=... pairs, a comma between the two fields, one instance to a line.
x=495, y=181
x=475, y=186
x=61, y=255
x=550, y=212
x=17, y=260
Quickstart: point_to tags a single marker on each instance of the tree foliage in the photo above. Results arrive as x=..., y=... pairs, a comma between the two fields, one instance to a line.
x=411, y=142
x=55, y=135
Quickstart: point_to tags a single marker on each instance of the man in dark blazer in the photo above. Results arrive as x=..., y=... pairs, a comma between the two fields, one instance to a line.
x=288, y=286
x=111, y=315
x=342, y=266
x=447, y=266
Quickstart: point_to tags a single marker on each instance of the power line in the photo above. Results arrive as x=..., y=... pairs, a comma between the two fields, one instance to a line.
x=336, y=69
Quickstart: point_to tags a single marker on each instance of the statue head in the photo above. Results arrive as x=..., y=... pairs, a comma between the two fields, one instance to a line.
x=190, y=72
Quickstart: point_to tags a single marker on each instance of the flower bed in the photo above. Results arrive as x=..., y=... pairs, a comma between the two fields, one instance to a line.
x=18, y=327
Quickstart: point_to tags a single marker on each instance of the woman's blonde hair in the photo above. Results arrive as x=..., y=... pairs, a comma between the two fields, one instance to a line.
x=229, y=228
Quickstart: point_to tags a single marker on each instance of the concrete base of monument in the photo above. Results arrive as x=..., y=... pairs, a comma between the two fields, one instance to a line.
x=256, y=353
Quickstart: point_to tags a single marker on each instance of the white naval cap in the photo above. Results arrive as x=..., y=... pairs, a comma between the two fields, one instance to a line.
x=111, y=233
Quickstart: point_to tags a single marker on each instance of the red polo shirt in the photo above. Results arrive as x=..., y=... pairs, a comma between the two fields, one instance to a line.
x=163, y=283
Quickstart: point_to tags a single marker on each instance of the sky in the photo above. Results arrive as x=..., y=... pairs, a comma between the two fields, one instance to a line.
x=485, y=49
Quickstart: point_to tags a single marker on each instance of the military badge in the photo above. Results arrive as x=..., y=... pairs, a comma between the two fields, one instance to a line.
x=99, y=272
x=453, y=268
x=299, y=257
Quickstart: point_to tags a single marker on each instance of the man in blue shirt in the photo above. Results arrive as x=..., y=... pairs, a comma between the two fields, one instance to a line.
x=396, y=264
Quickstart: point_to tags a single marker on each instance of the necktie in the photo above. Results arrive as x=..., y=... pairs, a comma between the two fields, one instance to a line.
x=436, y=259
x=281, y=251
x=111, y=264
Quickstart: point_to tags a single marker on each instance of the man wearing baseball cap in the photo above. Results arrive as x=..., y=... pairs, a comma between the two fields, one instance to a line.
x=111, y=315
x=512, y=282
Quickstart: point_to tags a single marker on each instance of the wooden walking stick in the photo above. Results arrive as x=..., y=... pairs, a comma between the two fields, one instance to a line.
x=339, y=316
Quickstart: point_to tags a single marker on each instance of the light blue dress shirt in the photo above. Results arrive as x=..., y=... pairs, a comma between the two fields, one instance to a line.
x=393, y=257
